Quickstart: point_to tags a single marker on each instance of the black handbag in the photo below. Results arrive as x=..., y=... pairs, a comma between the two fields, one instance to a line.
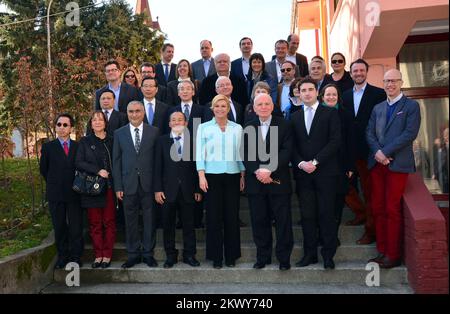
x=87, y=184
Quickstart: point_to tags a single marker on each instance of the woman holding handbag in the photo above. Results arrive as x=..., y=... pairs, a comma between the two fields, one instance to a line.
x=94, y=157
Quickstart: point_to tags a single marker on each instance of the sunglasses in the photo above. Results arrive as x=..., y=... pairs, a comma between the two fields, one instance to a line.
x=340, y=61
x=130, y=76
x=59, y=124
x=286, y=70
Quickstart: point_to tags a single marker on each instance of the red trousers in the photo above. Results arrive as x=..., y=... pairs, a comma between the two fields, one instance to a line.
x=355, y=203
x=387, y=191
x=102, y=227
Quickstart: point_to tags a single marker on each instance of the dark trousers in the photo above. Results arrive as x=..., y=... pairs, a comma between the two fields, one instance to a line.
x=102, y=227
x=67, y=219
x=186, y=212
x=222, y=217
x=318, y=197
x=131, y=206
x=262, y=206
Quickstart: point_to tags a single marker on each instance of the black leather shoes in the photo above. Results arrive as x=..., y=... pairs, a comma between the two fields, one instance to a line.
x=217, y=264
x=169, y=263
x=377, y=259
x=285, y=266
x=386, y=262
x=96, y=264
x=328, y=264
x=150, y=261
x=259, y=265
x=106, y=264
x=131, y=262
x=191, y=261
x=60, y=263
x=230, y=263
x=307, y=260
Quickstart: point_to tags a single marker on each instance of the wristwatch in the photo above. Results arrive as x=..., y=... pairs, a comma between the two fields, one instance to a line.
x=315, y=162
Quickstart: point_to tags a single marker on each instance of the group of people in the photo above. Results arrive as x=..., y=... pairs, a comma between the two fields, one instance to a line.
x=188, y=137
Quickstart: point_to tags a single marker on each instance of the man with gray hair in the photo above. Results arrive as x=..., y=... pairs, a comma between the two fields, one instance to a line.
x=318, y=72
x=133, y=163
x=268, y=182
x=208, y=89
x=224, y=86
x=204, y=67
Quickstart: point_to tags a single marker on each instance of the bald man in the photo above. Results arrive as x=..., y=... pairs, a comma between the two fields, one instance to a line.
x=268, y=182
x=393, y=126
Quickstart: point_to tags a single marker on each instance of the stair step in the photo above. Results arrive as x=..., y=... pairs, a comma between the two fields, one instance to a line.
x=220, y=288
x=344, y=253
x=347, y=272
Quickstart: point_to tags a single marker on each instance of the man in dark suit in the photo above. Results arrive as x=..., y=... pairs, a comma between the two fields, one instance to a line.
x=148, y=70
x=123, y=92
x=116, y=119
x=318, y=72
x=176, y=185
x=205, y=66
x=208, y=88
x=268, y=182
x=298, y=59
x=156, y=112
x=165, y=70
x=360, y=101
x=317, y=138
x=274, y=67
x=195, y=116
x=225, y=87
x=133, y=166
x=393, y=126
x=240, y=66
x=57, y=166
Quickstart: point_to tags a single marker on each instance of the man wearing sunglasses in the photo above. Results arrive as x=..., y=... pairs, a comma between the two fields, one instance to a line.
x=57, y=166
x=124, y=93
x=288, y=76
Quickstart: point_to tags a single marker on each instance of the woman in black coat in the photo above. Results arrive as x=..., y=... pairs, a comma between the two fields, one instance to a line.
x=330, y=96
x=94, y=157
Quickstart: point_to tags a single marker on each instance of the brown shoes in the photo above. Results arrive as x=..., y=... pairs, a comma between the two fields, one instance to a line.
x=366, y=239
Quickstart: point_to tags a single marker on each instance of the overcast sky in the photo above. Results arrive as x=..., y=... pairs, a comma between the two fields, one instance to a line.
x=222, y=22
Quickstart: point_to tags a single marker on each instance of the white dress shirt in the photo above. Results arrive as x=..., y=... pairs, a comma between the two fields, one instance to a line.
x=133, y=132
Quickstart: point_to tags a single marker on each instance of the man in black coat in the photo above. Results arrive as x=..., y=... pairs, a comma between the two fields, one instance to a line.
x=208, y=88
x=124, y=93
x=268, y=182
x=360, y=101
x=165, y=70
x=156, y=112
x=317, y=138
x=116, y=119
x=57, y=166
x=176, y=185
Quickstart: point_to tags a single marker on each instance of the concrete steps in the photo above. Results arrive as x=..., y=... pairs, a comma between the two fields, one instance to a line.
x=346, y=272
x=225, y=288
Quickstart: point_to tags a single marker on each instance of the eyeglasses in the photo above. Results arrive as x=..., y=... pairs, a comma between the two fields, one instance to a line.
x=59, y=124
x=393, y=81
x=130, y=76
x=111, y=70
x=340, y=61
x=286, y=70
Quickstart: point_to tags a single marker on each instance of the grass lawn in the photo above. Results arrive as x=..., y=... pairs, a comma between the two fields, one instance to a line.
x=20, y=226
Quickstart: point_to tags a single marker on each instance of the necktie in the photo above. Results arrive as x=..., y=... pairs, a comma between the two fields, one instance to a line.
x=186, y=111
x=137, y=140
x=151, y=113
x=178, y=144
x=166, y=71
x=206, y=67
x=106, y=115
x=309, y=118
x=66, y=148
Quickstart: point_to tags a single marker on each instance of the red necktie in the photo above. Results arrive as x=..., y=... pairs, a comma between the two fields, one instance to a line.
x=66, y=148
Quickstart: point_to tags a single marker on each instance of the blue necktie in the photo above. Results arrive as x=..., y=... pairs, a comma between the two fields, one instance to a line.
x=186, y=111
x=150, y=113
x=177, y=142
x=166, y=71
